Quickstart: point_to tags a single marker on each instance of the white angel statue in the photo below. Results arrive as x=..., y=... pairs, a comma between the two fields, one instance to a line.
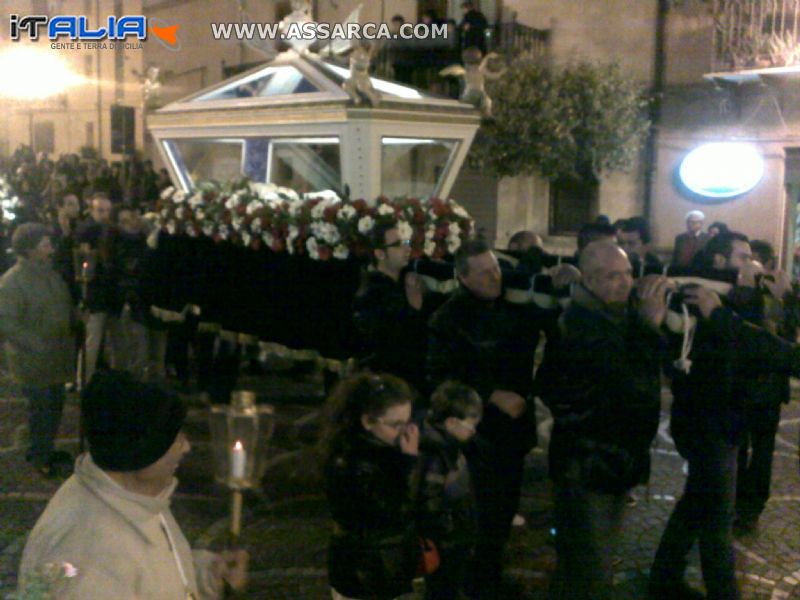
x=359, y=81
x=474, y=72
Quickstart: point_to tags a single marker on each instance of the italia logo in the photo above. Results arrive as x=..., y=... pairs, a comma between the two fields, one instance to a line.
x=78, y=28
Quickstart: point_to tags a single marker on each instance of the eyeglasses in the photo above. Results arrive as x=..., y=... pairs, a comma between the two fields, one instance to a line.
x=398, y=244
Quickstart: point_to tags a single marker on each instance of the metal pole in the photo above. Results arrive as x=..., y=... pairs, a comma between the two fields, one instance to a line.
x=659, y=75
x=99, y=94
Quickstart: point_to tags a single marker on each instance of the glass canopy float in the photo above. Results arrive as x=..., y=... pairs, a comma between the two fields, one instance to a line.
x=304, y=123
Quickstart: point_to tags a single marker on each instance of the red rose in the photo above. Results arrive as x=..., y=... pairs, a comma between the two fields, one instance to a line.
x=278, y=245
x=360, y=205
x=330, y=214
x=324, y=252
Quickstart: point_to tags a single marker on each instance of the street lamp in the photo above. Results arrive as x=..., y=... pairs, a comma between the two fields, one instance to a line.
x=28, y=75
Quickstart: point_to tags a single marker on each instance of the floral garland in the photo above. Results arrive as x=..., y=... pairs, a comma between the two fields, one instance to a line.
x=319, y=225
x=8, y=205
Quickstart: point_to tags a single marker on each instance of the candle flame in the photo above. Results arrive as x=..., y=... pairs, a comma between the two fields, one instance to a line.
x=238, y=446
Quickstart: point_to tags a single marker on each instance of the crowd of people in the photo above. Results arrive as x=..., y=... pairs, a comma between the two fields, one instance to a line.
x=456, y=481
x=423, y=450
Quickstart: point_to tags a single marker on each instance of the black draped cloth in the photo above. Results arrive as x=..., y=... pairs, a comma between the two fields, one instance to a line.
x=291, y=300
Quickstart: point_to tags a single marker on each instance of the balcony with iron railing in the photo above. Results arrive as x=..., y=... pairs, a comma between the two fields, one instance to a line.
x=418, y=62
x=756, y=34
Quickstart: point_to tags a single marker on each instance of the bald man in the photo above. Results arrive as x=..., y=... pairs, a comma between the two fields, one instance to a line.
x=601, y=381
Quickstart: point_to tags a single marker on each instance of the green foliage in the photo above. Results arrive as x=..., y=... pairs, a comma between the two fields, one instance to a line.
x=580, y=121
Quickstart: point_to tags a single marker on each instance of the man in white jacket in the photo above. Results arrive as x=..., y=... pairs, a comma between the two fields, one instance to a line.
x=108, y=531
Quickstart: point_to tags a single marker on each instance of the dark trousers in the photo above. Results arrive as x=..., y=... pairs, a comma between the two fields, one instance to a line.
x=497, y=478
x=755, y=461
x=448, y=581
x=587, y=529
x=45, y=406
x=704, y=513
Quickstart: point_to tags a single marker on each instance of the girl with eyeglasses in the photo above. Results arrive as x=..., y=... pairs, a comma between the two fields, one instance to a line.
x=369, y=452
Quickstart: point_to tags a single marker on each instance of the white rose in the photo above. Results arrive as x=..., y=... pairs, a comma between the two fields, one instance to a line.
x=454, y=229
x=460, y=212
x=208, y=228
x=223, y=232
x=347, y=212
x=293, y=232
x=196, y=200
x=164, y=213
x=179, y=196
x=318, y=210
x=385, y=209
x=180, y=212
x=430, y=248
x=430, y=233
x=294, y=208
x=167, y=192
x=232, y=202
x=171, y=227
x=365, y=224
x=268, y=239
x=404, y=230
x=190, y=231
x=236, y=222
x=330, y=233
x=453, y=244
x=253, y=206
x=200, y=214
x=255, y=226
x=432, y=215
x=246, y=239
x=313, y=249
x=341, y=251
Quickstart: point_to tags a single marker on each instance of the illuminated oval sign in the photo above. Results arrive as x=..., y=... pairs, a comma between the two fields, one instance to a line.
x=722, y=169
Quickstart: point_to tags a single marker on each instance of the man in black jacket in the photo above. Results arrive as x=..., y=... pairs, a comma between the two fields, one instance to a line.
x=765, y=393
x=388, y=314
x=634, y=237
x=478, y=338
x=705, y=416
x=708, y=420
x=102, y=301
x=601, y=382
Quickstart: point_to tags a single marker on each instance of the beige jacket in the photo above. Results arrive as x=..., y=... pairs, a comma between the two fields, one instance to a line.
x=115, y=540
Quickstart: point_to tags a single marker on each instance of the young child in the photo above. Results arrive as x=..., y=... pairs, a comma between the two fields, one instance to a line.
x=444, y=503
x=370, y=449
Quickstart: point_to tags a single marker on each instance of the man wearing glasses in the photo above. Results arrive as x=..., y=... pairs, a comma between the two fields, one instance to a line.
x=388, y=311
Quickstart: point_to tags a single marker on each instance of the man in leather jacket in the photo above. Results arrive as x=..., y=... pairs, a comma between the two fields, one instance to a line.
x=601, y=381
x=480, y=339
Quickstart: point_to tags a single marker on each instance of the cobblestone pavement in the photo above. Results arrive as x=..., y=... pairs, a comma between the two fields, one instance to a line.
x=285, y=523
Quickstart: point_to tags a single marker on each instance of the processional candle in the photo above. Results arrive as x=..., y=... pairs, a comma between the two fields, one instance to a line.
x=238, y=460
